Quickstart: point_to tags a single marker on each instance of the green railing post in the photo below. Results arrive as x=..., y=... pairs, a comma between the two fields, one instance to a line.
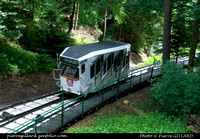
x=154, y=60
x=102, y=96
x=62, y=110
x=83, y=106
x=35, y=126
x=151, y=72
x=131, y=81
x=62, y=114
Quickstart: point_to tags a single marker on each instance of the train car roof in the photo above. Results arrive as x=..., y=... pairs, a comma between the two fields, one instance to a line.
x=76, y=52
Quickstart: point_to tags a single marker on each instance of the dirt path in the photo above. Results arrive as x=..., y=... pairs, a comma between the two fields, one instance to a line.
x=18, y=88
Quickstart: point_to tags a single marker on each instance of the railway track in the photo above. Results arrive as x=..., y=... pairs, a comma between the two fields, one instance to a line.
x=21, y=115
x=17, y=114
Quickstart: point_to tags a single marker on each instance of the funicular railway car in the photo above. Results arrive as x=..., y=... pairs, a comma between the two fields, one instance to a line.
x=86, y=67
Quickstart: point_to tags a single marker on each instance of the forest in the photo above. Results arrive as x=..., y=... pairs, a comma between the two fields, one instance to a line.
x=33, y=31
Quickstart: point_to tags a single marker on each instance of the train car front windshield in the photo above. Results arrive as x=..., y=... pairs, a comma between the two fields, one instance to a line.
x=69, y=69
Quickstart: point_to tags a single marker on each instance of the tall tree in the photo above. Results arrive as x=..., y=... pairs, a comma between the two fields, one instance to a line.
x=103, y=27
x=167, y=30
x=71, y=18
x=181, y=27
x=195, y=34
x=76, y=16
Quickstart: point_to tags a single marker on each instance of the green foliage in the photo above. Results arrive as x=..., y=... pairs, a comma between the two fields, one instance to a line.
x=37, y=26
x=142, y=24
x=197, y=60
x=181, y=29
x=41, y=26
x=80, y=39
x=135, y=22
x=150, y=60
x=45, y=63
x=177, y=91
x=15, y=61
x=10, y=20
x=153, y=122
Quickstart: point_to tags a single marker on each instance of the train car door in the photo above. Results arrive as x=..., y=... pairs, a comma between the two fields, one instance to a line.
x=83, y=77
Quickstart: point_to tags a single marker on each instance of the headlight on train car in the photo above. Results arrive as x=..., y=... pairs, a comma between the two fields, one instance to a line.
x=69, y=89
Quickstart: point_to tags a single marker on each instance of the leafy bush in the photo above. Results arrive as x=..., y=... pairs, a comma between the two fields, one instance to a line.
x=45, y=62
x=44, y=38
x=153, y=122
x=16, y=61
x=177, y=91
x=81, y=40
x=150, y=60
x=197, y=60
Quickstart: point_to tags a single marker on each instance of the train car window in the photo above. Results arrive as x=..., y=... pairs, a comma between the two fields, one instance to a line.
x=118, y=59
x=127, y=57
x=71, y=71
x=121, y=56
x=104, y=68
x=98, y=66
x=112, y=58
x=124, y=61
x=102, y=59
x=109, y=62
x=116, y=62
x=82, y=68
x=92, y=71
x=62, y=67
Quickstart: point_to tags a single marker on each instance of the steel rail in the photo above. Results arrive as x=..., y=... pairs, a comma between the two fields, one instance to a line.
x=29, y=100
x=15, y=117
x=48, y=117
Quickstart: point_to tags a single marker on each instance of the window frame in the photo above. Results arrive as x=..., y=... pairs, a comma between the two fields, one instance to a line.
x=83, y=68
x=92, y=71
x=98, y=65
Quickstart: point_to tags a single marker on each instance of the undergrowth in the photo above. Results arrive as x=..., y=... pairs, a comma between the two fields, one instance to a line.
x=150, y=60
x=153, y=122
x=80, y=39
x=177, y=92
x=17, y=61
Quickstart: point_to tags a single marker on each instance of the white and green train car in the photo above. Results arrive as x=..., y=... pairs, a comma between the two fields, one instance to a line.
x=86, y=67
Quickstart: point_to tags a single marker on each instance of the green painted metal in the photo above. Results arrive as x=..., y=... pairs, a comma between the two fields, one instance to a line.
x=35, y=126
x=131, y=81
x=102, y=98
x=62, y=114
x=82, y=114
x=118, y=80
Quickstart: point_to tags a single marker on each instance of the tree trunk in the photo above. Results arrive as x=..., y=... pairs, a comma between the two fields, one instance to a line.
x=167, y=30
x=33, y=9
x=103, y=28
x=71, y=18
x=76, y=16
x=119, y=33
x=194, y=37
